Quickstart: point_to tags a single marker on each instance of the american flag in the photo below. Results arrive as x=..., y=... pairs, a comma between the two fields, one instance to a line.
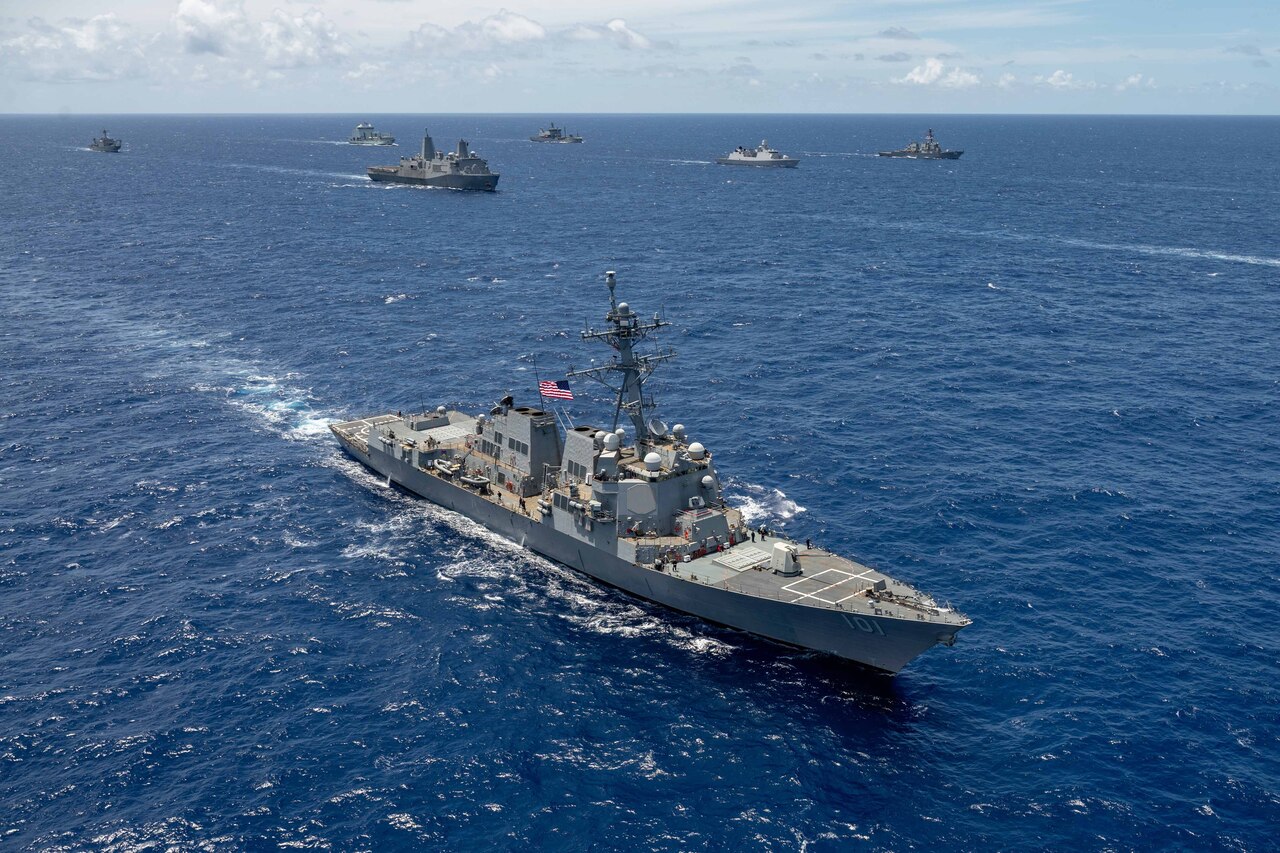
x=558, y=390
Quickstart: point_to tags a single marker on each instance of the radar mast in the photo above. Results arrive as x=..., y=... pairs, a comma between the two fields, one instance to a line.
x=623, y=331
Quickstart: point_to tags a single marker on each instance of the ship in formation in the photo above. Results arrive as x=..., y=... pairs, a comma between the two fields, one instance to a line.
x=928, y=149
x=365, y=134
x=648, y=516
x=461, y=169
x=105, y=144
x=554, y=134
x=762, y=155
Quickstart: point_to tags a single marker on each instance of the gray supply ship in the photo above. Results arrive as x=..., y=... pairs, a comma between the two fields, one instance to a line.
x=456, y=170
x=554, y=134
x=105, y=144
x=648, y=518
x=759, y=156
x=364, y=134
x=929, y=149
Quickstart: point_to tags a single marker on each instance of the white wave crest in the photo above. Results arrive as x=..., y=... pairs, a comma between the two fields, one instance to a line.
x=759, y=503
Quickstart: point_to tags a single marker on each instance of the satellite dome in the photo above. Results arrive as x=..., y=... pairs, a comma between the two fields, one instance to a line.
x=599, y=436
x=678, y=430
x=624, y=308
x=708, y=482
x=611, y=441
x=696, y=450
x=652, y=462
x=440, y=410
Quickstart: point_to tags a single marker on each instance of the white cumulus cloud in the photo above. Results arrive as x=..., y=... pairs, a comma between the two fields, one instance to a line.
x=1064, y=81
x=934, y=73
x=1135, y=81
x=207, y=26
x=501, y=30
x=100, y=48
x=295, y=41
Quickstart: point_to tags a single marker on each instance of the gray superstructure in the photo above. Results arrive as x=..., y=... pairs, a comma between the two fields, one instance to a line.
x=649, y=517
x=928, y=149
x=364, y=134
x=761, y=155
x=554, y=134
x=456, y=170
x=105, y=144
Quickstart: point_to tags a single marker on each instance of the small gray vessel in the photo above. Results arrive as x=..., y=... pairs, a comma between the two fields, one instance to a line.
x=364, y=134
x=554, y=134
x=929, y=149
x=106, y=144
x=762, y=155
x=455, y=170
x=650, y=517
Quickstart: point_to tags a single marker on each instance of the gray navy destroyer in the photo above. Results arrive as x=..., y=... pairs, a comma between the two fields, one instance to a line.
x=364, y=134
x=554, y=134
x=762, y=155
x=105, y=144
x=649, y=518
x=455, y=170
x=928, y=149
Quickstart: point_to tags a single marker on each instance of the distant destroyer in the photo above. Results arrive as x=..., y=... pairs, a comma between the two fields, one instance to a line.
x=929, y=149
x=364, y=134
x=454, y=170
x=649, y=518
x=762, y=155
x=105, y=144
x=554, y=134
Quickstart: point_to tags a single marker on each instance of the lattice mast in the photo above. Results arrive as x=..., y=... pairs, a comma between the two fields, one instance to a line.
x=623, y=331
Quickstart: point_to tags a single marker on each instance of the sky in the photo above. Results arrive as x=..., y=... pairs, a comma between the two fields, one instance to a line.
x=640, y=56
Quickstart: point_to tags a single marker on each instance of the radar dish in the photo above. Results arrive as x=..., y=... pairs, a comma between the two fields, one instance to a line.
x=657, y=427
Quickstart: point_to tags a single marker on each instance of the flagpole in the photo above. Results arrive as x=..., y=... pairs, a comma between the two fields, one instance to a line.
x=537, y=379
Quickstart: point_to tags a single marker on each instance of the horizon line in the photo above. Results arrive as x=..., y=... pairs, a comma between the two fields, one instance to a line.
x=543, y=113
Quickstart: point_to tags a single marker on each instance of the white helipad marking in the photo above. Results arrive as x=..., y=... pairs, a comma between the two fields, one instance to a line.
x=829, y=585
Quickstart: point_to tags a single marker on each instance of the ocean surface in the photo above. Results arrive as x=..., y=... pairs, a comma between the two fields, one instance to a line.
x=1040, y=382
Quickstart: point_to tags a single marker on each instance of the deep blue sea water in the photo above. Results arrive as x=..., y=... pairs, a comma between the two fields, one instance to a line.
x=1040, y=382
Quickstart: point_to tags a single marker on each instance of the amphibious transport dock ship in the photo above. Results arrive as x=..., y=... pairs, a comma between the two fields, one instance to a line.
x=648, y=517
x=762, y=155
x=455, y=170
x=929, y=149
x=554, y=134
x=105, y=144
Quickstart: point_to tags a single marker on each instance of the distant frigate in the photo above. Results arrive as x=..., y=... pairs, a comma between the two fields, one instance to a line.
x=762, y=155
x=649, y=518
x=456, y=170
x=105, y=144
x=929, y=149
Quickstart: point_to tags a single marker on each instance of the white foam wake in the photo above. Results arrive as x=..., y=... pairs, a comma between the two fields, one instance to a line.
x=278, y=402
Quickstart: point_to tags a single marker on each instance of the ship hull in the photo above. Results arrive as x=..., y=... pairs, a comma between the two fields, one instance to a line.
x=371, y=142
x=557, y=141
x=763, y=164
x=879, y=643
x=477, y=183
x=945, y=155
x=106, y=149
